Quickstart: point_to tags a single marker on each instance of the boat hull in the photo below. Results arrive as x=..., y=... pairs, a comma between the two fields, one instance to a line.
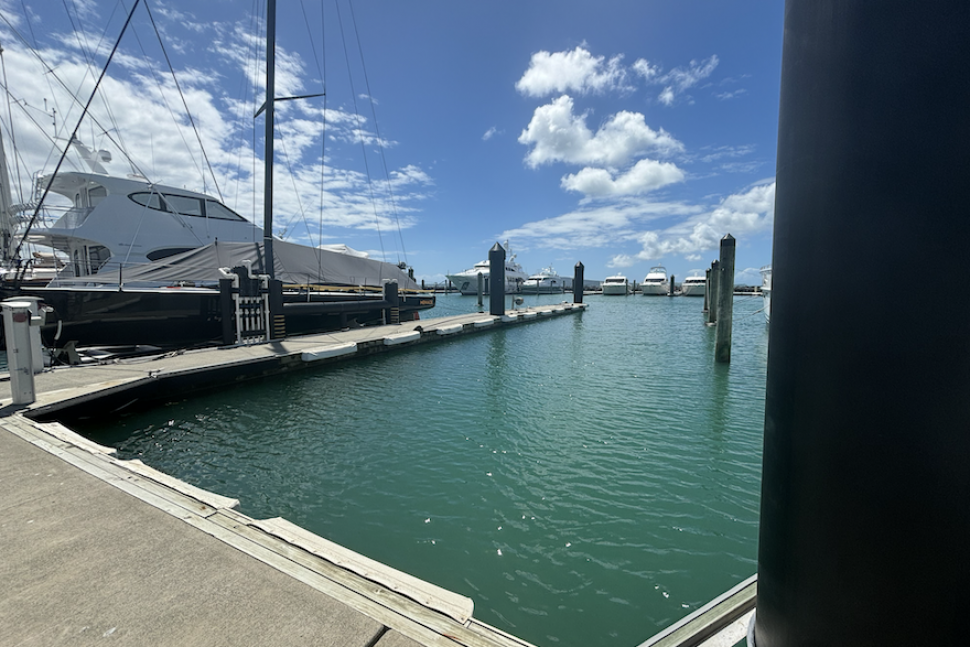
x=190, y=317
x=692, y=289
x=654, y=289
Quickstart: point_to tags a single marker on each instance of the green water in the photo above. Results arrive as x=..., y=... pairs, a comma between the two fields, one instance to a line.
x=586, y=480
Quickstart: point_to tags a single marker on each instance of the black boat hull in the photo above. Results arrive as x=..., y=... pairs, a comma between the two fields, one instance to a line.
x=189, y=317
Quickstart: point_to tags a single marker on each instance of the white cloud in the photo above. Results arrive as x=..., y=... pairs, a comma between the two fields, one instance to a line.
x=697, y=229
x=739, y=214
x=646, y=175
x=149, y=121
x=557, y=135
x=491, y=132
x=678, y=80
x=599, y=226
x=577, y=71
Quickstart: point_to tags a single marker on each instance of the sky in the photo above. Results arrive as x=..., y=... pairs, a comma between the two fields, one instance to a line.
x=622, y=134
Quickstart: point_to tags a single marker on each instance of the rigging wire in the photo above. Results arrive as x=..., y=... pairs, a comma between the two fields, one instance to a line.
x=47, y=188
x=359, y=133
x=377, y=131
x=184, y=103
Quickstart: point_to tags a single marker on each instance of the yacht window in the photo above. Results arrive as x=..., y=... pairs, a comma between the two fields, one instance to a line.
x=184, y=205
x=150, y=200
x=215, y=209
x=96, y=194
x=166, y=252
x=98, y=255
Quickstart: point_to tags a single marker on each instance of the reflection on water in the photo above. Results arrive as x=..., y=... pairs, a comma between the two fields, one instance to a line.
x=586, y=479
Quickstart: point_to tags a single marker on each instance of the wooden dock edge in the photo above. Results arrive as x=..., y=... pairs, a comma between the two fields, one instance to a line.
x=723, y=622
x=404, y=609
x=243, y=363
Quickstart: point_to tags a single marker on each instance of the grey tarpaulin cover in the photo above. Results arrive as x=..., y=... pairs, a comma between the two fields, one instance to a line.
x=294, y=263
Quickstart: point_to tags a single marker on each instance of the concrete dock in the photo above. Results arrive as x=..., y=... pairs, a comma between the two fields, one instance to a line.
x=95, y=548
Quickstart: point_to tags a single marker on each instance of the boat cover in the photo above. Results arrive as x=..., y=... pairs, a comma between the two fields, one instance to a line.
x=295, y=264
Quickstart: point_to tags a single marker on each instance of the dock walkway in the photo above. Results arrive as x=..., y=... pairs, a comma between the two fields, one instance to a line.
x=95, y=548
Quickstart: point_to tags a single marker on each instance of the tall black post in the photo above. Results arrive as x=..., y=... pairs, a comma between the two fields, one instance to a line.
x=496, y=279
x=269, y=133
x=578, y=282
x=725, y=301
x=865, y=507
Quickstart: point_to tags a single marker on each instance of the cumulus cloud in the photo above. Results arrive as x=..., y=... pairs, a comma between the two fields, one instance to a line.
x=646, y=175
x=577, y=71
x=558, y=135
x=678, y=80
x=150, y=122
x=739, y=214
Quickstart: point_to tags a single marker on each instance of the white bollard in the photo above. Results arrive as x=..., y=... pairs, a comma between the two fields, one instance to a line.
x=16, y=326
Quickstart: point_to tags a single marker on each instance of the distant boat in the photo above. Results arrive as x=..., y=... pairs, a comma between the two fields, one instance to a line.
x=545, y=281
x=467, y=282
x=616, y=285
x=694, y=285
x=766, y=291
x=656, y=283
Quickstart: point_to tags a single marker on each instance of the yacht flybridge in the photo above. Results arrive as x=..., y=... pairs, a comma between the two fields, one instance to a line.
x=152, y=265
x=115, y=222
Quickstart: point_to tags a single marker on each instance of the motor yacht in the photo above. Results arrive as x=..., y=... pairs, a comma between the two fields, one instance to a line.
x=467, y=282
x=545, y=281
x=655, y=283
x=616, y=285
x=694, y=285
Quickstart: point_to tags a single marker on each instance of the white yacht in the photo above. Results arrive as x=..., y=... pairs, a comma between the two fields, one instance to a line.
x=614, y=285
x=766, y=291
x=655, y=282
x=545, y=281
x=467, y=282
x=694, y=285
x=106, y=219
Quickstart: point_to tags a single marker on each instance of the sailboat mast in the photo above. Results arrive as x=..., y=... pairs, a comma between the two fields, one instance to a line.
x=6, y=208
x=270, y=265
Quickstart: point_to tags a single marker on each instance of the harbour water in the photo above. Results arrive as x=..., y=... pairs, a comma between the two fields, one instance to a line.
x=586, y=480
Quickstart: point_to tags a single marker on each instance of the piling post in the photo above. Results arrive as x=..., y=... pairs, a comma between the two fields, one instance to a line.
x=16, y=326
x=715, y=285
x=578, y=282
x=670, y=292
x=392, y=315
x=725, y=301
x=496, y=277
x=865, y=483
x=277, y=320
x=707, y=290
x=481, y=288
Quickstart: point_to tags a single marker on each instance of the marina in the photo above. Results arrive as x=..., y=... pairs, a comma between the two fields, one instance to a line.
x=395, y=457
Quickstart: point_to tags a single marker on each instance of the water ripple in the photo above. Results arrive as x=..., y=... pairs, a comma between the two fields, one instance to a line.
x=586, y=479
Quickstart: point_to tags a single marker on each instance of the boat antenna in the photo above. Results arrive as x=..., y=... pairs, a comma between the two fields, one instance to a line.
x=87, y=106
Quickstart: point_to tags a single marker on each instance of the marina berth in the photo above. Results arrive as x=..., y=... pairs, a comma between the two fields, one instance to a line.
x=694, y=284
x=616, y=285
x=655, y=283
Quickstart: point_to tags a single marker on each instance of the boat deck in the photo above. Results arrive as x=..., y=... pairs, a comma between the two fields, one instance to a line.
x=98, y=548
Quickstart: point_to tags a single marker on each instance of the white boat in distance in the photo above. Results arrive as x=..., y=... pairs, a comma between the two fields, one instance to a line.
x=616, y=285
x=766, y=291
x=694, y=285
x=545, y=281
x=467, y=282
x=655, y=283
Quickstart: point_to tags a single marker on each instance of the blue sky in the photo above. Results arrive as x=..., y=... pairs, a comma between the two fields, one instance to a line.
x=622, y=134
